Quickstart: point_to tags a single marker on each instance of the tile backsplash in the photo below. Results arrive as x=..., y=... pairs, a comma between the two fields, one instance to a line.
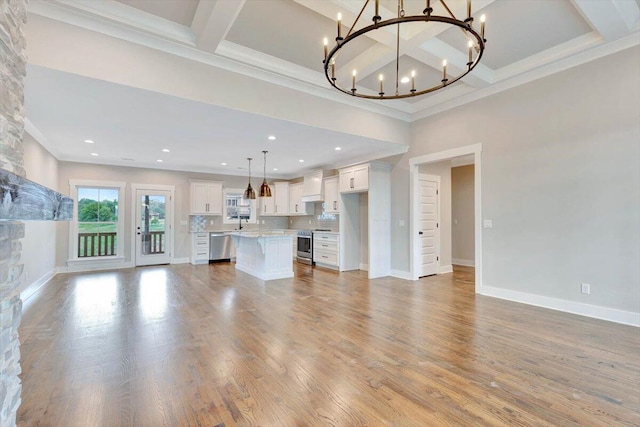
x=307, y=222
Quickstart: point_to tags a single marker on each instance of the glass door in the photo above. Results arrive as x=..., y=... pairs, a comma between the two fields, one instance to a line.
x=153, y=227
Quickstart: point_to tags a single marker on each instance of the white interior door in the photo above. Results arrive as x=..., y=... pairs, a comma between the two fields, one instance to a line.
x=429, y=224
x=153, y=228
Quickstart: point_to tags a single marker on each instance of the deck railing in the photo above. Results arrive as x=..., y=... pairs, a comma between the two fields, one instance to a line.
x=154, y=243
x=104, y=244
x=96, y=244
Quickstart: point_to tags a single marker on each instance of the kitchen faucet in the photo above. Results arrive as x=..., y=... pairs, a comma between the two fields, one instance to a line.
x=240, y=222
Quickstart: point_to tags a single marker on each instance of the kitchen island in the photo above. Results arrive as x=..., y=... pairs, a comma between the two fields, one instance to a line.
x=264, y=254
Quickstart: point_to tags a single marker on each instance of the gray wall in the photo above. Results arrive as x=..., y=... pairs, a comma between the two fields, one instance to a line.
x=462, y=214
x=39, y=259
x=560, y=180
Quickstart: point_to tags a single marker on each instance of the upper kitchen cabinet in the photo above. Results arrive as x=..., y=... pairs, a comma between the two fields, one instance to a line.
x=278, y=203
x=206, y=198
x=296, y=205
x=331, y=194
x=354, y=179
x=312, y=190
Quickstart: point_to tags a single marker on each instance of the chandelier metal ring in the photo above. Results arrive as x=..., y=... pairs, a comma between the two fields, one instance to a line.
x=446, y=81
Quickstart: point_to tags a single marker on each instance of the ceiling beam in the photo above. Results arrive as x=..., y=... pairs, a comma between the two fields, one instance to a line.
x=611, y=18
x=213, y=20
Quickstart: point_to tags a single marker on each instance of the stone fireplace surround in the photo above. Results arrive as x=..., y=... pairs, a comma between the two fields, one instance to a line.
x=13, y=15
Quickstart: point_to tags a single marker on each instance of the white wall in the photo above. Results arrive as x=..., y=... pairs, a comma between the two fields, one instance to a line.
x=443, y=170
x=38, y=244
x=462, y=215
x=560, y=180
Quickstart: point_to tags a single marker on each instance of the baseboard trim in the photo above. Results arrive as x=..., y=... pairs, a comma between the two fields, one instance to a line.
x=463, y=262
x=180, y=260
x=96, y=267
x=401, y=274
x=444, y=269
x=588, y=310
x=34, y=287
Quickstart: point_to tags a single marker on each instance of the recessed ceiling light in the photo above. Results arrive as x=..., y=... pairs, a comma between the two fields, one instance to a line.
x=94, y=154
x=165, y=150
x=223, y=164
x=275, y=169
x=272, y=138
x=88, y=141
x=405, y=79
x=338, y=148
x=159, y=160
x=301, y=161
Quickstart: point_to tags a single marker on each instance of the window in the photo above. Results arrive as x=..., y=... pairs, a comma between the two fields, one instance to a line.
x=98, y=221
x=238, y=209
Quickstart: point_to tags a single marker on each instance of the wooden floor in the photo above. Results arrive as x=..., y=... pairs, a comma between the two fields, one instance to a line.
x=206, y=346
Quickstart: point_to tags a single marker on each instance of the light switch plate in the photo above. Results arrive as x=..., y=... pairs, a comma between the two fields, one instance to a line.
x=183, y=222
x=487, y=223
x=401, y=223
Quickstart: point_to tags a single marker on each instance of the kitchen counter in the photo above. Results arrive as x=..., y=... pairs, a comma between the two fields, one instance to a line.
x=264, y=254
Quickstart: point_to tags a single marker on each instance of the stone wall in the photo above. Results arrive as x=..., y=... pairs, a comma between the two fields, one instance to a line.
x=13, y=16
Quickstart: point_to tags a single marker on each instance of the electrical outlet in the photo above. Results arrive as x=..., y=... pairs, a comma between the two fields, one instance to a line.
x=487, y=223
x=585, y=288
x=401, y=223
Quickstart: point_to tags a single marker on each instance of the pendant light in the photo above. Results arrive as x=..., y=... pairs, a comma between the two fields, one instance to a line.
x=249, y=193
x=265, y=191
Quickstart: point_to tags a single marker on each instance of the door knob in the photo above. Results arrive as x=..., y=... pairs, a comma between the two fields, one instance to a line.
x=420, y=232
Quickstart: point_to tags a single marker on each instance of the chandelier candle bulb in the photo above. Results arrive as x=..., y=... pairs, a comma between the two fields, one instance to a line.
x=353, y=81
x=326, y=44
x=376, y=17
x=444, y=71
x=381, y=77
x=333, y=69
x=482, y=19
x=470, y=48
x=413, y=81
x=468, y=9
x=339, y=25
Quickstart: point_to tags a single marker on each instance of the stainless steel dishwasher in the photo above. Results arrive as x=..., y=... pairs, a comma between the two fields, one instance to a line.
x=220, y=246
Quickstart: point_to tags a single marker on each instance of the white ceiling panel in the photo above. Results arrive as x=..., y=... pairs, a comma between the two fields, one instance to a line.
x=289, y=31
x=518, y=29
x=131, y=126
x=179, y=11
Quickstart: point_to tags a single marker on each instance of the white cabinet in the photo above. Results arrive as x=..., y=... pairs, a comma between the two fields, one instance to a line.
x=278, y=203
x=326, y=249
x=354, y=179
x=281, y=198
x=268, y=204
x=199, y=248
x=331, y=194
x=296, y=206
x=312, y=187
x=206, y=198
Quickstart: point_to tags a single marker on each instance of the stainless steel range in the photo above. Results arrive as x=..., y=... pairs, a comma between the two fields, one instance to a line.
x=305, y=247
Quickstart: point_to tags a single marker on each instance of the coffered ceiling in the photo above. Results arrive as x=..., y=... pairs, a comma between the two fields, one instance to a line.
x=279, y=42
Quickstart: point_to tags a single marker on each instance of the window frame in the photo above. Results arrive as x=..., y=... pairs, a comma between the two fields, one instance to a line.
x=253, y=218
x=74, y=184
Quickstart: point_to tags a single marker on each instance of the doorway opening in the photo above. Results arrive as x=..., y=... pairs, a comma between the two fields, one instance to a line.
x=427, y=164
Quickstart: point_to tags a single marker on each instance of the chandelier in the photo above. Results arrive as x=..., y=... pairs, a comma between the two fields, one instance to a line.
x=475, y=45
